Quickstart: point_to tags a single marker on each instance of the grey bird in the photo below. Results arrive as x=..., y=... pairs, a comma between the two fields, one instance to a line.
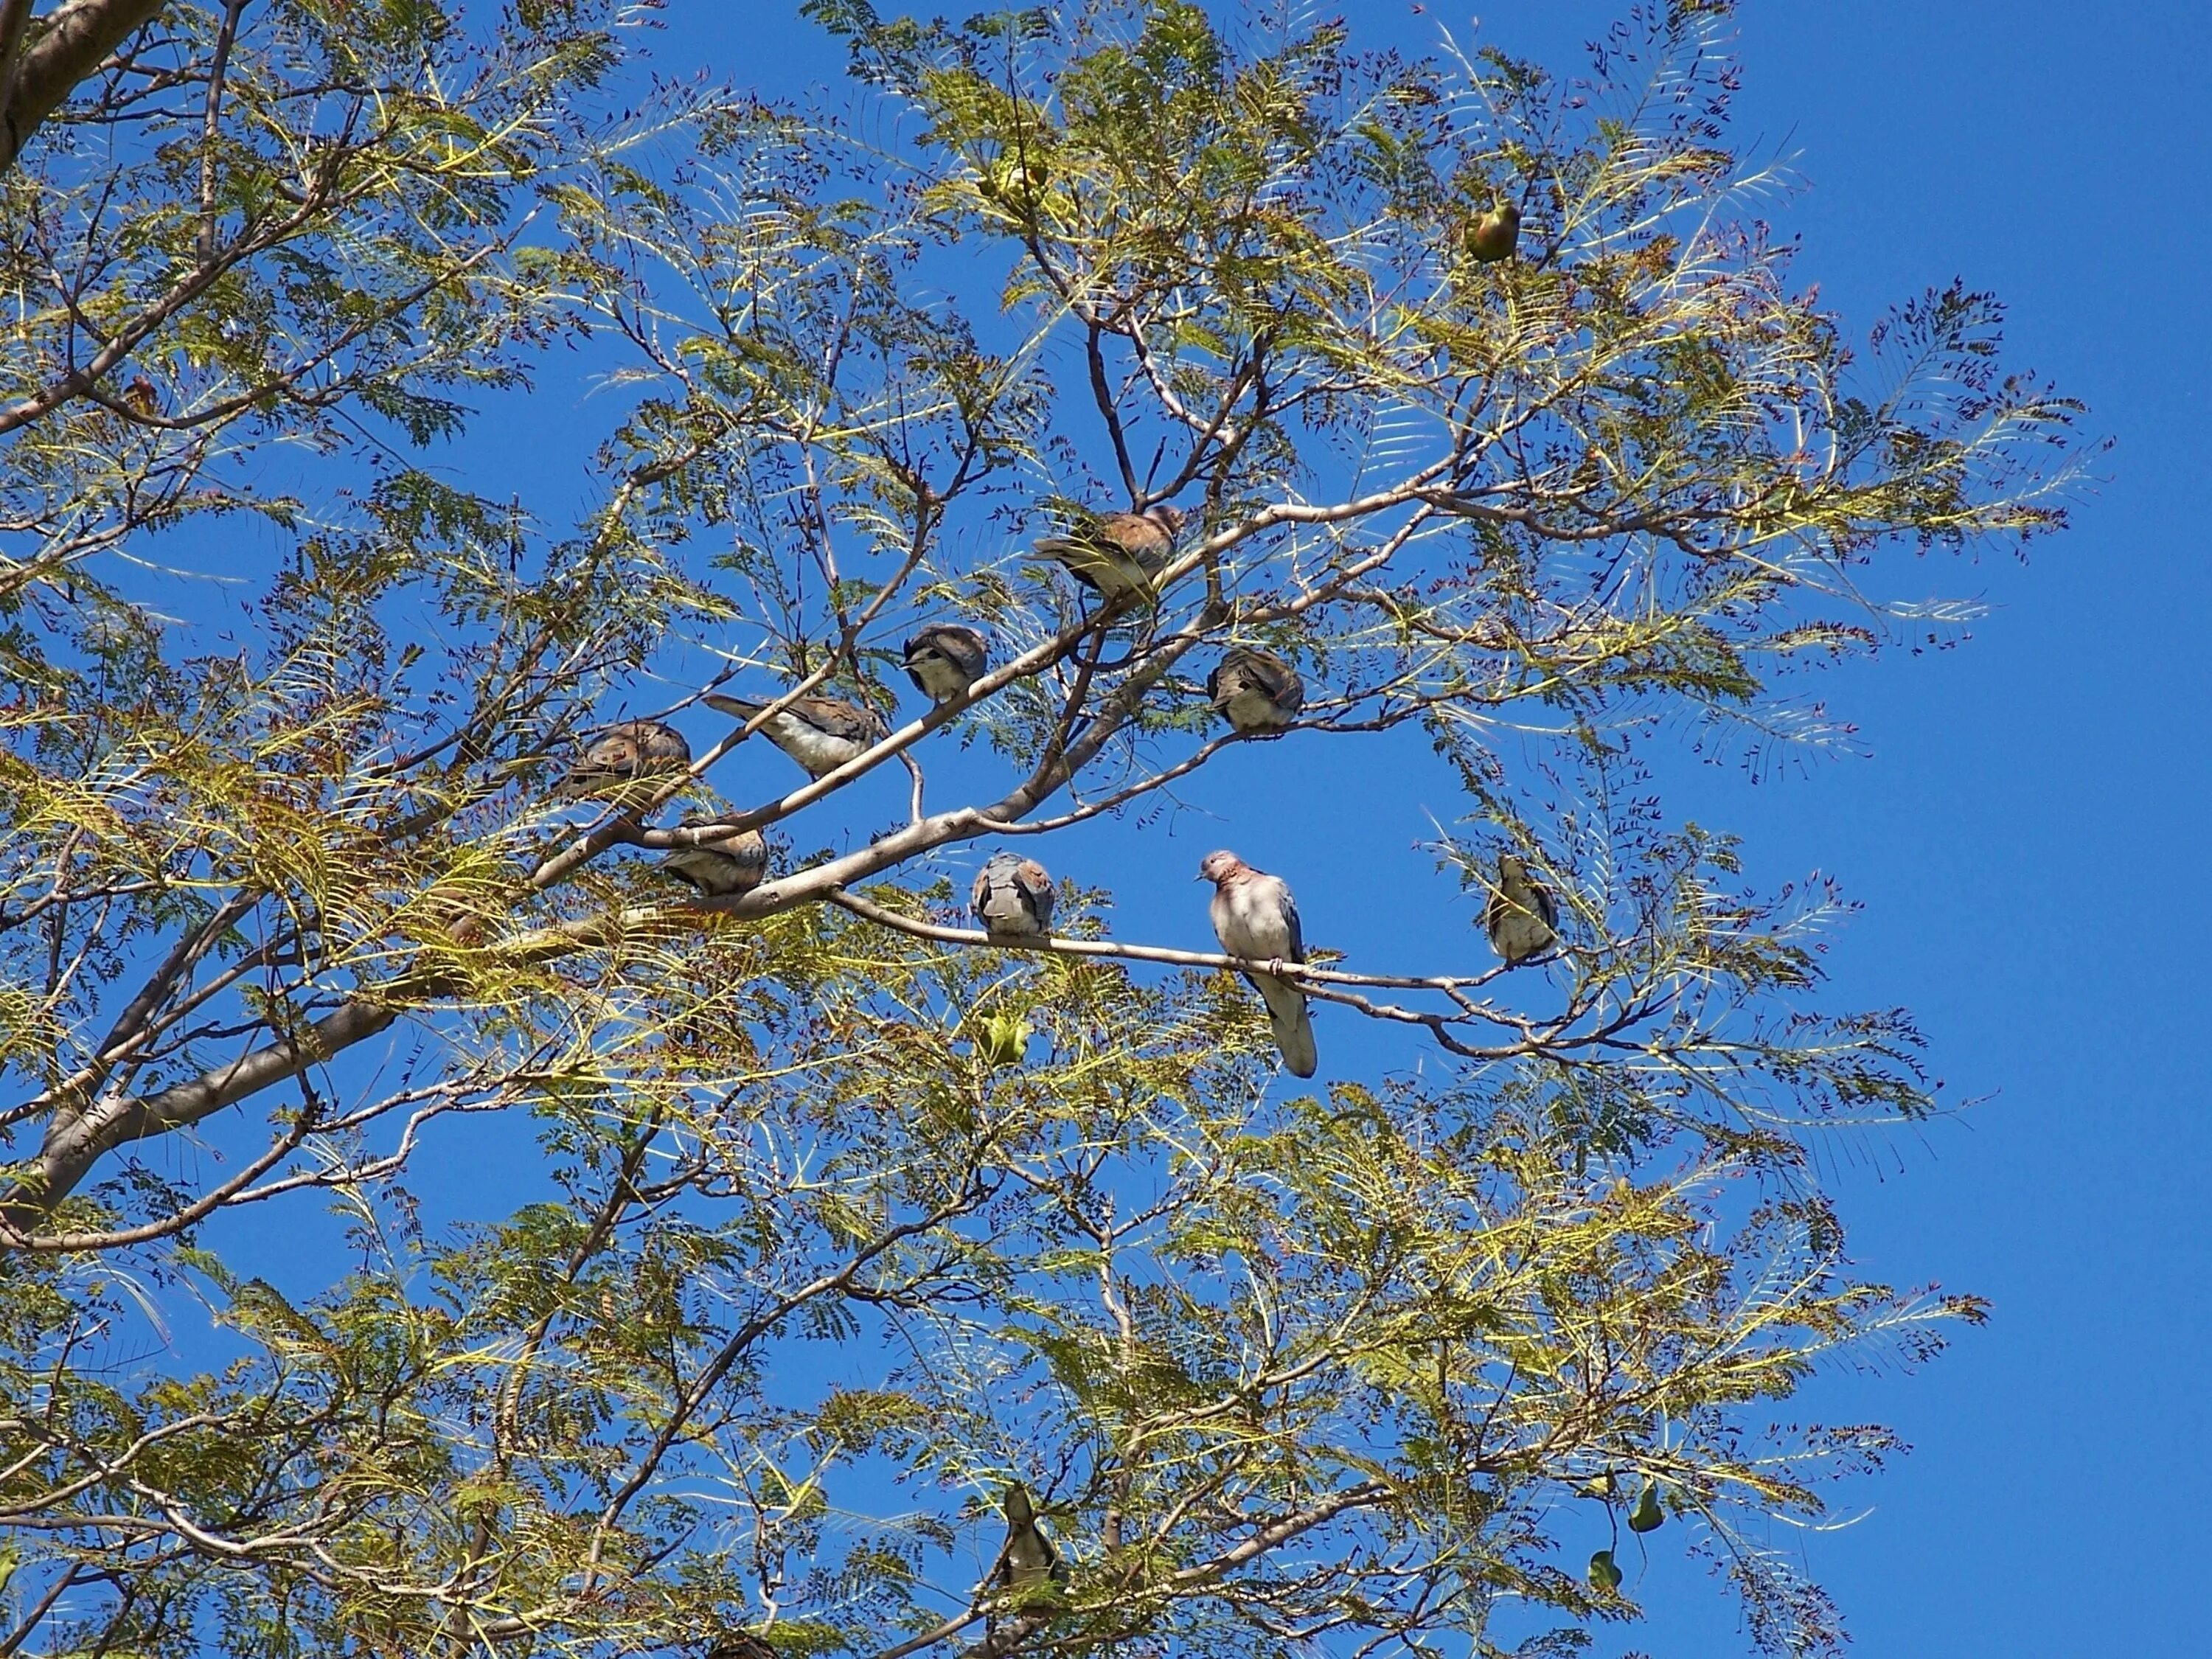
x=1255, y=691
x=820, y=734
x=1012, y=898
x=1521, y=918
x=945, y=658
x=615, y=764
x=1117, y=554
x=723, y=868
x=1254, y=917
x=739, y=1644
x=1494, y=235
x=1027, y=1560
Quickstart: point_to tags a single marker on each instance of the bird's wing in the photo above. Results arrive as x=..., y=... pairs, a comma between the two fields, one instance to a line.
x=1289, y=908
x=1546, y=906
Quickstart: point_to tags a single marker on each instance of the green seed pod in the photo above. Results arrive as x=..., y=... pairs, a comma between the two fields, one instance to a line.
x=1647, y=1516
x=1006, y=1039
x=1604, y=1572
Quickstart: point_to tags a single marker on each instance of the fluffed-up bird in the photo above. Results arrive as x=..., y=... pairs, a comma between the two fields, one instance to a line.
x=1012, y=896
x=1521, y=918
x=723, y=868
x=1254, y=917
x=1117, y=554
x=1255, y=691
x=1494, y=235
x=820, y=734
x=616, y=764
x=945, y=658
x=1027, y=1560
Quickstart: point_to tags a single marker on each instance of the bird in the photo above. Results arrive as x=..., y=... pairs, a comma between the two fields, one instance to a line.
x=1117, y=554
x=613, y=762
x=1254, y=917
x=739, y=1644
x=1012, y=898
x=1255, y=691
x=1494, y=235
x=1027, y=1560
x=945, y=658
x=820, y=734
x=1521, y=918
x=720, y=869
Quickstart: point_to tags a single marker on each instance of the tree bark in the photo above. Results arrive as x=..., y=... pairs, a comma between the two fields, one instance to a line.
x=69, y=43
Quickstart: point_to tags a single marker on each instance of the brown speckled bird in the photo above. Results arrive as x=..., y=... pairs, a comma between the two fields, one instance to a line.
x=723, y=868
x=1494, y=235
x=1117, y=554
x=1012, y=898
x=820, y=734
x=945, y=658
x=1521, y=918
x=619, y=765
x=1255, y=691
x=1254, y=917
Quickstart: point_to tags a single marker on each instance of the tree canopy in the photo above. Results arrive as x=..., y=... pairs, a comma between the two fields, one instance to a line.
x=294, y=908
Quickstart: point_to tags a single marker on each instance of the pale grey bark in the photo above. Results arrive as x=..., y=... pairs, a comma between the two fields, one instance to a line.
x=40, y=65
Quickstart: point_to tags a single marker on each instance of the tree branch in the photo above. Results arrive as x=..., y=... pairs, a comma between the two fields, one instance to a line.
x=76, y=40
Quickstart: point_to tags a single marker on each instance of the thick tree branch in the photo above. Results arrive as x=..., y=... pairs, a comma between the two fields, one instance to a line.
x=72, y=42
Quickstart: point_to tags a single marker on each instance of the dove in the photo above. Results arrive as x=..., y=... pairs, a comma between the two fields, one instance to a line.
x=1495, y=234
x=945, y=658
x=1012, y=896
x=615, y=761
x=1255, y=691
x=1027, y=1560
x=1521, y=918
x=719, y=869
x=820, y=734
x=1117, y=554
x=739, y=1644
x=1254, y=917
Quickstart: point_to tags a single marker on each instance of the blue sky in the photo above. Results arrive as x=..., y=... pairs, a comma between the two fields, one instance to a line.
x=2011, y=789
x=2014, y=790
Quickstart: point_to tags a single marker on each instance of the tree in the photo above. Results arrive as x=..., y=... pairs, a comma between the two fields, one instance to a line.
x=1282, y=1365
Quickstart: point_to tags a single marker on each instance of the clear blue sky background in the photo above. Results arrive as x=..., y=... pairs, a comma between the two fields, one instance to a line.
x=2004, y=832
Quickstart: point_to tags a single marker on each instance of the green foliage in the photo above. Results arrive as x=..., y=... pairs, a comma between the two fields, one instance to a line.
x=816, y=1221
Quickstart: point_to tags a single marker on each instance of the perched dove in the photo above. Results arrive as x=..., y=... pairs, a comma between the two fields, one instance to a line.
x=1117, y=554
x=820, y=734
x=1493, y=235
x=739, y=1644
x=1012, y=896
x=945, y=658
x=1255, y=691
x=1027, y=1560
x=614, y=761
x=1521, y=918
x=1254, y=917
x=719, y=869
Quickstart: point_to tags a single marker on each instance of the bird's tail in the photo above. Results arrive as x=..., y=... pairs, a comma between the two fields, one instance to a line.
x=728, y=705
x=1293, y=1025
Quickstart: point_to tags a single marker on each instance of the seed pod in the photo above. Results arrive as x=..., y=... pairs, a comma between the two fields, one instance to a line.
x=1647, y=1516
x=1604, y=1572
